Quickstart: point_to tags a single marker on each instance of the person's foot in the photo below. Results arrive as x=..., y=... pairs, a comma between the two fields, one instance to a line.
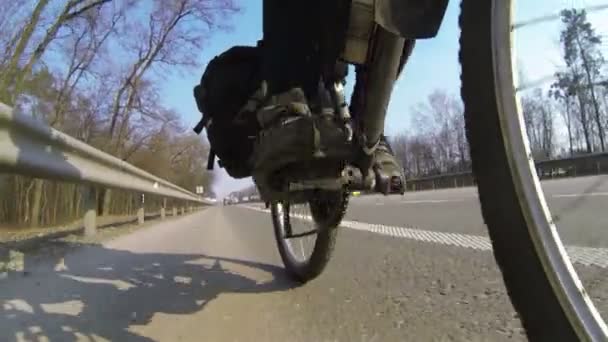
x=286, y=132
x=292, y=134
x=387, y=169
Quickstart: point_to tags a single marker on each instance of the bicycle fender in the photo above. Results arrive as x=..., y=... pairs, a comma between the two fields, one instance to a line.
x=412, y=19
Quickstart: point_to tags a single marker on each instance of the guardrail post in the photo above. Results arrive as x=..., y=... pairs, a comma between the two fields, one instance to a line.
x=140, y=211
x=90, y=211
x=162, y=209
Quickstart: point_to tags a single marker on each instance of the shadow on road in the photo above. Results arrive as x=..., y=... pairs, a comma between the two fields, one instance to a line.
x=99, y=293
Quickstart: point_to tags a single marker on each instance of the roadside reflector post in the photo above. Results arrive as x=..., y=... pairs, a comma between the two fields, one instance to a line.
x=140, y=210
x=90, y=211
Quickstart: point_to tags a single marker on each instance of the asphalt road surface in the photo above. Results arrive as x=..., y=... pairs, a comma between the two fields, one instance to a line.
x=407, y=268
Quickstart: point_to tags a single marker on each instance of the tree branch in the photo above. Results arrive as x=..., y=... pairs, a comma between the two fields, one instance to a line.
x=77, y=13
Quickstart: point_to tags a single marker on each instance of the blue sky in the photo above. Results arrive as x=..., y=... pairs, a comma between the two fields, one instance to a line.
x=433, y=65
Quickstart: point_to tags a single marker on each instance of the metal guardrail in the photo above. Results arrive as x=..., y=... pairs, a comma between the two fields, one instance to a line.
x=451, y=180
x=575, y=166
x=30, y=147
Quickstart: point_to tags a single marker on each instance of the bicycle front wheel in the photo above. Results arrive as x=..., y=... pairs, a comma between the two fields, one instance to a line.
x=540, y=279
x=306, y=232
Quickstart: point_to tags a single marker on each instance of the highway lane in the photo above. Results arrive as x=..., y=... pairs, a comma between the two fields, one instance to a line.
x=578, y=205
x=216, y=275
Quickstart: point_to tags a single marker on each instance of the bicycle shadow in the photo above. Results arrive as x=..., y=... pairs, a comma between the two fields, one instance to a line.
x=97, y=292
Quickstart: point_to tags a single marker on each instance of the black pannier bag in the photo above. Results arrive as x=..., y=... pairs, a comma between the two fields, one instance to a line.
x=225, y=97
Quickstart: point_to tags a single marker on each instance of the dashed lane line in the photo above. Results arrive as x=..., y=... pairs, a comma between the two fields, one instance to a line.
x=588, y=194
x=588, y=256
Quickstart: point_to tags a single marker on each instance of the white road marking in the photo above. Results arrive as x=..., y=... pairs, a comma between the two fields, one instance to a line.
x=428, y=201
x=588, y=194
x=582, y=255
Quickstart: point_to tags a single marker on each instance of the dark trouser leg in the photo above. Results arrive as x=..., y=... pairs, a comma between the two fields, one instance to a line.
x=291, y=52
x=375, y=82
x=303, y=40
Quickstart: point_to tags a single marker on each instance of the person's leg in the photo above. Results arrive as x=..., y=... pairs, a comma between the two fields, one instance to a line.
x=301, y=46
x=290, y=57
x=302, y=43
x=380, y=158
x=385, y=163
x=291, y=70
x=303, y=40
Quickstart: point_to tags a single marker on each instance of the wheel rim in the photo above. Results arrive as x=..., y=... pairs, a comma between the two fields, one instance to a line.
x=573, y=298
x=296, y=219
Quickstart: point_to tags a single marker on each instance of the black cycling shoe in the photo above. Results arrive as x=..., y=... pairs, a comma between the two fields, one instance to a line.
x=380, y=170
x=389, y=174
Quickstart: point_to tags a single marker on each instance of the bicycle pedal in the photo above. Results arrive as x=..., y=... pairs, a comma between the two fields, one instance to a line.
x=317, y=184
x=355, y=181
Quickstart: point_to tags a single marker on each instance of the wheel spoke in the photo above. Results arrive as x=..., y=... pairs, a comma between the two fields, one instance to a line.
x=555, y=16
x=299, y=235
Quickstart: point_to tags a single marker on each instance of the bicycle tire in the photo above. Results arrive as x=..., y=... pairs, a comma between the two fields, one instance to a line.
x=327, y=218
x=526, y=269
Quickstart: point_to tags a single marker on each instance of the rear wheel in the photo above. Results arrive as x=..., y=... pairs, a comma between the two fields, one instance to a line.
x=306, y=232
x=539, y=277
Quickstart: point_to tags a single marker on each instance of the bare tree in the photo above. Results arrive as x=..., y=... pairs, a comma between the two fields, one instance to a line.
x=581, y=76
x=14, y=75
x=538, y=117
x=566, y=101
x=102, y=54
x=174, y=31
x=438, y=142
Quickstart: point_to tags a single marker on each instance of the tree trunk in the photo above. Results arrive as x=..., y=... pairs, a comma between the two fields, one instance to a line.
x=596, y=107
x=77, y=199
x=106, y=202
x=584, y=122
x=41, y=47
x=44, y=212
x=51, y=33
x=27, y=206
x=127, y=205
x=36, y=203
x=12, y=69
x=56, y=203
x=19, y=198
x=71, y=201
x=569, y=126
